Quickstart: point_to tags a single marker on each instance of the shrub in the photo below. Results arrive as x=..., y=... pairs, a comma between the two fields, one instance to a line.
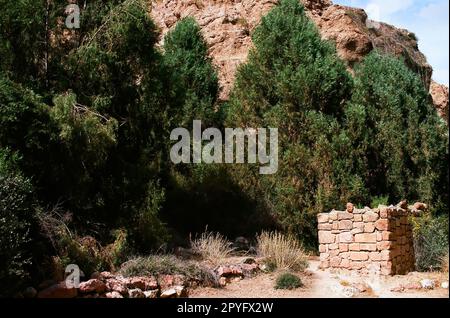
x=379, y=200
x=212, y=247
x=288, y=281
x=168, y=265
x=17, y=209
x=283, y=251
x=430, y=241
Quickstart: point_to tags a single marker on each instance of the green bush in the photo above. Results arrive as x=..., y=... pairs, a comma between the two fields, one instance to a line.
x=430, y=241
x=288, y=281
x=17, y=209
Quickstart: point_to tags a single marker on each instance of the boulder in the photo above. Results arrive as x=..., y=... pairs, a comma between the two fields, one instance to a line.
x=113, y=294
x=151, y=293
x=169, y=293
x=116, y=285
x=92, y=285
x=143, y=283
x=136, y=293
x=427, y=283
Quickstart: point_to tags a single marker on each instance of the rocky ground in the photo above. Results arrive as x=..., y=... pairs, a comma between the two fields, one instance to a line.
x=248, y=277
x=329, y=284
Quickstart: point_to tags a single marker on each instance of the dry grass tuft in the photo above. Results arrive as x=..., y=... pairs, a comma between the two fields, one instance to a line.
x=212, y=247
x=282, y=251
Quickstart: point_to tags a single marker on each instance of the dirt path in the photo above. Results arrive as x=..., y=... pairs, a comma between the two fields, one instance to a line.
x=325, y=284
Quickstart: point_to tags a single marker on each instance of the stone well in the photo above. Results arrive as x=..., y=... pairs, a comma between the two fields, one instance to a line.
x=377, y=241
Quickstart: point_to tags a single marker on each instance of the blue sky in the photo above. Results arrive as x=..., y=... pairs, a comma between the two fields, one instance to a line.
x=428, y=19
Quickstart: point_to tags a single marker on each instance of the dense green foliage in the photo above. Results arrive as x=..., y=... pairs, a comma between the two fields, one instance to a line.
x=86, y=115
x=299, y=86
x=400, y=144
x=378, y=138
x=16, y=218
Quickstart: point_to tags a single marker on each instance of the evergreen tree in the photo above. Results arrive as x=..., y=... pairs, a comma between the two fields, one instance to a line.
x=295, y=82
x=398, y=143
x=186, y=56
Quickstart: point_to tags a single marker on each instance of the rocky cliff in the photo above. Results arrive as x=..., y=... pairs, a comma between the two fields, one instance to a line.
x=228, y=24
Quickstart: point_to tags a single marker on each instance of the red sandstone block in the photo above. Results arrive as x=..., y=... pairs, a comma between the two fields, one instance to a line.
x=322, y=218
x=345, y=216
x=326, y=237
x=335, y=261
x=343, y=247
x=354, y=247
x=366, y=238
x=368, y=247
x=345, y=237
x=359, y=256
x=324, y=227
x=370, y=216
x=382, y=224
x=369, y=227
x=345, y=225
x=375, y=256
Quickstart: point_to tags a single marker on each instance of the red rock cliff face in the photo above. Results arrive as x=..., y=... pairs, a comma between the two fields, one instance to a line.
x=228, y=24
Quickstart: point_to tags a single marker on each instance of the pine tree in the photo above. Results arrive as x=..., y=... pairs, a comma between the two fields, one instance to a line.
x=295, y=82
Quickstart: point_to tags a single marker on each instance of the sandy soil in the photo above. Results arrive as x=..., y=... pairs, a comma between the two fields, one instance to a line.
x=326, y=284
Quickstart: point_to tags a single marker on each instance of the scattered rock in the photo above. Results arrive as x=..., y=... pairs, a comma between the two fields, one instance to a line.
x=143, y=283
x=350, y=207
x=151, y=293
x=136, y=293
x=169, y=293
x=182, y=291
x=230, y=270
x=92, y=285
x=249, y=269
x=397, y=289
x=113, y=294
x=420, y=206
x=222, y=281
x=427, y=283
x=58, y=291
x=414, y=286
x=403, y=204
x=116, y=285
x=29, y=292
x=106, y=275
x=168, y=281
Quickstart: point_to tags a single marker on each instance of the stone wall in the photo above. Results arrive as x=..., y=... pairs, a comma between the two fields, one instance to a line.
x=377, y=241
